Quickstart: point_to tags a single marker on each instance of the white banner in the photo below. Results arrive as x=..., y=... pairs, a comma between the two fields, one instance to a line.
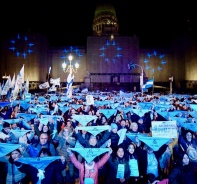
x=164, y=129
x=89, y=100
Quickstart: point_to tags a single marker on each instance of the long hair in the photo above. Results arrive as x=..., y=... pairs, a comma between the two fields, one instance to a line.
x=45, y=151
x=115, y=156
x=11, y=159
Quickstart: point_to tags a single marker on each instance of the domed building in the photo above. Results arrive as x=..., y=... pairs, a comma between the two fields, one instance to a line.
x=105, y=58
x=105, y=21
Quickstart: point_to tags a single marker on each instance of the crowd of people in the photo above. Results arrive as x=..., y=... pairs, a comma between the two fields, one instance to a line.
x=47, y=150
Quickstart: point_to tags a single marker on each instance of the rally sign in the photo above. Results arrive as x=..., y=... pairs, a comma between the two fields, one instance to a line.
x=89, y=100
x=164, y=129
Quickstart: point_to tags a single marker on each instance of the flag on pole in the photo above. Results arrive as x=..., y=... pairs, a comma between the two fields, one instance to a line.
x=69, y=83
x=5, y=88
x=9, y=82
x=26, y=86
x=48, y=75
x=55, y=82
x=52, y=88
x=44, y=85
x=171, y=78
x=13, y=81
x=148, y=84
x=19, y=79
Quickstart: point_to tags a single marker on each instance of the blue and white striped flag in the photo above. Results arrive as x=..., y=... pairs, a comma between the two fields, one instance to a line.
x=148, y=84
x=44, y=85
x=19, y=79
x=70, y=80
x=5, y=89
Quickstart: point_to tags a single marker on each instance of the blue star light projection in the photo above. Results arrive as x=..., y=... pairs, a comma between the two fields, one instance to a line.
x=21, y=46
x=74, y=51
x=110, y=52
x=154, y=62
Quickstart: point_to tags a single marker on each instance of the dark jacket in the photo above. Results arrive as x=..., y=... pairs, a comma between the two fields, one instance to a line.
x=52, y=172
x=143, y=158
x=133, y=156
x=112, y=165
x=182, y=175
x=114, y=140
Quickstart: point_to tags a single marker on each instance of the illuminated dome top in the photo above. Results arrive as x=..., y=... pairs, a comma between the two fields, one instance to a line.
x=105, y=9
x=105, y=21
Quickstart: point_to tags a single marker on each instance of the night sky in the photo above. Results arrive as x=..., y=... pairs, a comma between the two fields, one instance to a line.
x=68, y=23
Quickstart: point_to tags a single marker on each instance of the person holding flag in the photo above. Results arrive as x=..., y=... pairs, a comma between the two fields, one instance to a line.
x=46, y=169
x=88, y=171
x=14, y=176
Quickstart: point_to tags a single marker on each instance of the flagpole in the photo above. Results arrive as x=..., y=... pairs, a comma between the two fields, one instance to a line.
x=141, y=78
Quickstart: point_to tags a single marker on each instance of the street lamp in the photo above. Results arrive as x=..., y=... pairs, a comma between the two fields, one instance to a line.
x=70, y=67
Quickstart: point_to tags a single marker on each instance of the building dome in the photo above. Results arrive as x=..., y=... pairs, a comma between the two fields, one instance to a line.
x=105, y=20
x=105, y=9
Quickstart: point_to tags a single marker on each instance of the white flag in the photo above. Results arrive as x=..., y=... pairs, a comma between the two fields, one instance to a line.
x=13, y=81
x=5, y=88
x=55, y=82
x=52, y=88
x=44, y=85
x=14, y=95
x=9, y=82
x=27, y=86
x=19, y=79
x=85, y=90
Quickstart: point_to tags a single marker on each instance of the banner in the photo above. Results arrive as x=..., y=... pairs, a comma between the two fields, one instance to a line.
x=164, y=129
x=89, y=100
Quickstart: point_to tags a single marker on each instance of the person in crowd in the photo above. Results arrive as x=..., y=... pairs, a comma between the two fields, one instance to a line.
x=6, y=112
x=149, y=159
x=11, y=138
x=65, y=140
x=114, y=136
x=182, y=172
x=122, y=124
x=34, y=149
x=88, y=172
x=141, y=126
x=128, y=124
x=133, y=163
x=52, y=172
x=54, y=108
x=186, y=139
x=14, y=176
x=133, y=128
x=93, y=142
x=118, y=167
